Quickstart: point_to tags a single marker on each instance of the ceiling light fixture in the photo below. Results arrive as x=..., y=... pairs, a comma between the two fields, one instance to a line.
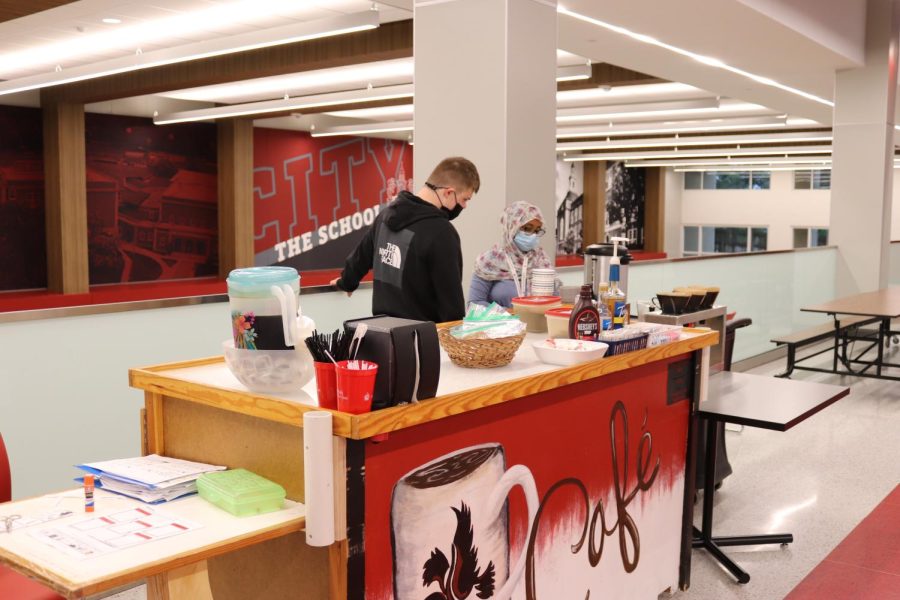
x=707, y=60
x=651, y=128
x=363, y=129
x=743, y=161
x=285, y=34
x=699, y=140
x=725, y=168
x=675, y=107
x=111, y=21
x=573, y=72
x=287, y=104
x=721, y=152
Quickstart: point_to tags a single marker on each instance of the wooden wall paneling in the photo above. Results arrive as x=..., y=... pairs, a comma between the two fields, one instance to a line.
x=655, y=210
x=65, y=192
x=594, y=201
x=388, y=41
x=235, y=181
x=13, y=9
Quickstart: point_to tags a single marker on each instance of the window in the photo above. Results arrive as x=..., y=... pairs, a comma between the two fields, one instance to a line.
x=710, y=239
x=727, y=180
x=818, y=179
x=810, y=237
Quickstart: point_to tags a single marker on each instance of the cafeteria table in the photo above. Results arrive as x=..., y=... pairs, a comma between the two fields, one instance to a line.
x=755, y=401
x=883, y=305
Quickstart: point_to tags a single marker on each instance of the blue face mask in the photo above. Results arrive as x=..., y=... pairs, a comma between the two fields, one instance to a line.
x=526, y=242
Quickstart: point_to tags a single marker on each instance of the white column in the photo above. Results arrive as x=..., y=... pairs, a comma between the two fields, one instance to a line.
x=863, y=152
x=485, y=76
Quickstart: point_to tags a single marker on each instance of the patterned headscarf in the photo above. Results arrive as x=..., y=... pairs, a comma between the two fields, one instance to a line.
x=492, y=264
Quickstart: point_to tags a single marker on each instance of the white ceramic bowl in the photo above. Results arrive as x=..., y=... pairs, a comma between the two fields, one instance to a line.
x=270, y=371
x=568, y=352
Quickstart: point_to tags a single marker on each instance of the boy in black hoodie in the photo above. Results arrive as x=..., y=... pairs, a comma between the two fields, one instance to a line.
x=414, y=251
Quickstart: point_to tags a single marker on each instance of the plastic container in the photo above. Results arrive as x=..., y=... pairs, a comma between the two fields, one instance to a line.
x=567, y=352
x=531, y=310
x=558, y=321
x=259, y=317
x=269, y=371
x=326, y=385
x=240, y=492
x=355, y=385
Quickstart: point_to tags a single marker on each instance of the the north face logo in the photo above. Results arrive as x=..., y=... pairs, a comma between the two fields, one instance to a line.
x=390, y=255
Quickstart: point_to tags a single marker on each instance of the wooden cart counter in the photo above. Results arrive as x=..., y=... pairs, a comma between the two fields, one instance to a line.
x=208, y=381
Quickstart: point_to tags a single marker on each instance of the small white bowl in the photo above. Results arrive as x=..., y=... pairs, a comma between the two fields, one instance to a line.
x=566, y=352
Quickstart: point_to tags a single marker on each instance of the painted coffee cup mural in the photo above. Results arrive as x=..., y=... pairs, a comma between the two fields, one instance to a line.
x=450, y=526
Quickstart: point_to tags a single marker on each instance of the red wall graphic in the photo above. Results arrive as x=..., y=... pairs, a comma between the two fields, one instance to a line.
x=22, y=233
x=315, y=197
x=151, y=199
x=604, y=463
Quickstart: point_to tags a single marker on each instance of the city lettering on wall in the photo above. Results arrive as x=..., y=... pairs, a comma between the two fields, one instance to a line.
x=314, y=198
x=22, y=232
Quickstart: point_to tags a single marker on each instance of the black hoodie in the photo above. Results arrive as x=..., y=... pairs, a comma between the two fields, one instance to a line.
x=416, y=257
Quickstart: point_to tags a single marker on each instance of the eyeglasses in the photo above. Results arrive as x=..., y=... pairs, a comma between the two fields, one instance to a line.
x=540, y=231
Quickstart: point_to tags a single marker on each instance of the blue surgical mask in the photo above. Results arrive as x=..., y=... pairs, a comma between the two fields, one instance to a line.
x=526, y=242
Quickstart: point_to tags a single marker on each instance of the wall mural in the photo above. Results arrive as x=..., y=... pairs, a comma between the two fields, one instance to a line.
x=22, y=232
x=625, y=200
x=569, y=206
x=315, y=197
x=594, y=513
x=151, y=199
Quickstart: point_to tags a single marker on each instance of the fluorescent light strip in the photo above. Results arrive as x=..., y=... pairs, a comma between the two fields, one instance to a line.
x=636, y=109
x=724, y=153
x=726, y=169
x=648, y=128
x=573, y=72
x=152, y=32
x=743, y=161
x=262, y=38
x=707, y=60
x=363, y=129
x=299, y=103
x=698, y=140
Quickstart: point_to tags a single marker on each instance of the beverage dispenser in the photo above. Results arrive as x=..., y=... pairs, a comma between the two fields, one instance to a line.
x=596, y=264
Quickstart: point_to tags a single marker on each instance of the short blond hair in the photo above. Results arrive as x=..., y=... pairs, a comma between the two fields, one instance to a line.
x=456, y=172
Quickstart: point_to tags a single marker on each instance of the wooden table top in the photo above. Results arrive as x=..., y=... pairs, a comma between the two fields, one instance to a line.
x=220, y=532
x=880, y=303
x=766, y=402
x=208, y=381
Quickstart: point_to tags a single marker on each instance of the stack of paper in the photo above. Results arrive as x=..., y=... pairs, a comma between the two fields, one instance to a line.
x=152, y=478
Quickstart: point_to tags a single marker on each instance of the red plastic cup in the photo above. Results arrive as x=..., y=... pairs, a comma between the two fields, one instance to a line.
x=355, y=385
x=326, y=385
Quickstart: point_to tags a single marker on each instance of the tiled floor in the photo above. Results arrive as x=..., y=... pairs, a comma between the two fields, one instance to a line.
x=818, y=481
x=866, y=564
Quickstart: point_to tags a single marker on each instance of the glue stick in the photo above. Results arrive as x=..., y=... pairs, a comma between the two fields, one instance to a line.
x=88, y=493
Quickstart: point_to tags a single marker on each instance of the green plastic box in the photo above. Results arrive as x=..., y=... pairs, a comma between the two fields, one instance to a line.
x=240, y=492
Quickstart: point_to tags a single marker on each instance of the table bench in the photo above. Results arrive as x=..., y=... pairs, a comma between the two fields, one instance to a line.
x=842, y=331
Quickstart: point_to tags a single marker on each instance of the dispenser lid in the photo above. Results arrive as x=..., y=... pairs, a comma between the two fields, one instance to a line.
x=260, y=279
x=607, y=250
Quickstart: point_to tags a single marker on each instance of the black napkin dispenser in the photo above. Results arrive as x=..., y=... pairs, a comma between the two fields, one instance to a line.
x=408, y=357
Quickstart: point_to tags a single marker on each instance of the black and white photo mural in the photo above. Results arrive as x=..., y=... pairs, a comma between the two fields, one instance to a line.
x=569, y=206
x=625, y=196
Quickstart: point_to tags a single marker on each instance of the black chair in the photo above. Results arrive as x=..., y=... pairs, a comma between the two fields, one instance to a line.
x=723, y=467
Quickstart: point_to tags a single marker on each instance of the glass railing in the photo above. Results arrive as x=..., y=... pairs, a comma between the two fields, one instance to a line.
x=768, y=287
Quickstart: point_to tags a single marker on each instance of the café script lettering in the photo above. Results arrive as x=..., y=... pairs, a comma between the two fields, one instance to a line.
x=596, y=529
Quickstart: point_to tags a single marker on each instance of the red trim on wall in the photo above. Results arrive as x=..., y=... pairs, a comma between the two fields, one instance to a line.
x=574, y=260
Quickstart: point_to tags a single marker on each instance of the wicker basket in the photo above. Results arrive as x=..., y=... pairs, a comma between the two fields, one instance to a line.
x=484, y=353
x=629, y=345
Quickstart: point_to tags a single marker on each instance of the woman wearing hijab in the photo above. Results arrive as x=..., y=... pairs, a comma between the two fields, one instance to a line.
x=497, y=269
